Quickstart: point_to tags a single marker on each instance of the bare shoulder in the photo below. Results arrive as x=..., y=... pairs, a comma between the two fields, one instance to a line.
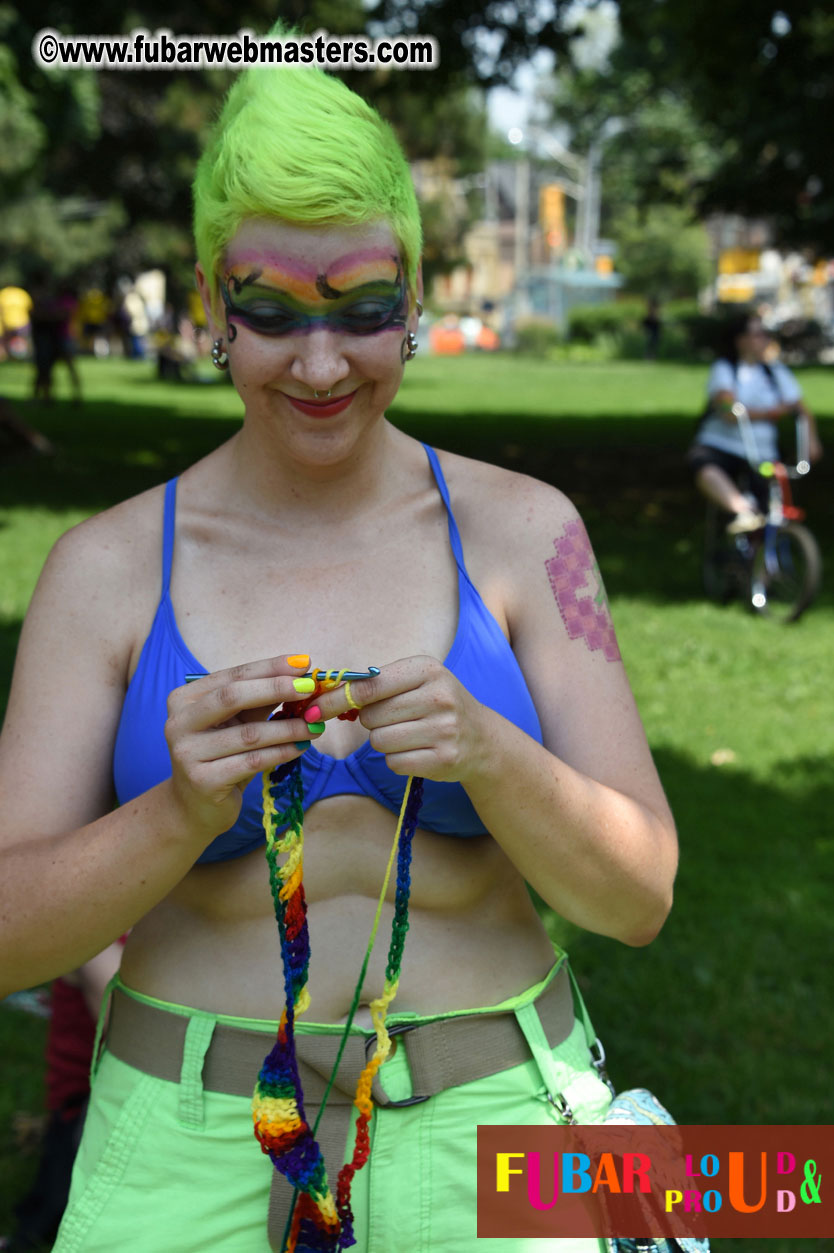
x=511, y=513
x=93, y=602
x=105, y=572
x=529, y=554
x=114, y=542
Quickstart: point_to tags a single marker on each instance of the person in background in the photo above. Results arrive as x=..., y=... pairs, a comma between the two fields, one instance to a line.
x=94, y=314
x=136, y=322
x=652, y=326
x=15, y=311
x=770, y=393
x=52, y=311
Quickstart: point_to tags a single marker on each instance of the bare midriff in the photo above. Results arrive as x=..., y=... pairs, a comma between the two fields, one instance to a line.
x=474, y=937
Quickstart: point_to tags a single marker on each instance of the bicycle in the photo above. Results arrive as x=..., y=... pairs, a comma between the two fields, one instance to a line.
x=777, y=569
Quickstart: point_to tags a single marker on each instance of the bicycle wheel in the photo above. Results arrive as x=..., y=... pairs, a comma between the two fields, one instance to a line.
x=786, y=573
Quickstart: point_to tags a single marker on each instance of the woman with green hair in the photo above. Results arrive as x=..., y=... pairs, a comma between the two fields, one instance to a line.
x=496, y=720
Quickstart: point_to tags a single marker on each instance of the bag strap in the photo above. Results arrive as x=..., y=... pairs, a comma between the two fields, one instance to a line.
x=591, y=1038
x=582, y=1010
x=557, y=1076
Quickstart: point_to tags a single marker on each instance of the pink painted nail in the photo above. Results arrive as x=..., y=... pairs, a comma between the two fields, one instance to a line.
x=313, y=714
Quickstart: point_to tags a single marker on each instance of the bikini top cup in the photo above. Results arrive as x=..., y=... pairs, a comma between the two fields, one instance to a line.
x=480, y=658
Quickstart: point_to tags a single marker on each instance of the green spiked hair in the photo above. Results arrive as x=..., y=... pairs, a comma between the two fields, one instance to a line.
x=295, y=143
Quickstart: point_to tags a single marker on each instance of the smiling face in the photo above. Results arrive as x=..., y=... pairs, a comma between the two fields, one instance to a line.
x=313, y=309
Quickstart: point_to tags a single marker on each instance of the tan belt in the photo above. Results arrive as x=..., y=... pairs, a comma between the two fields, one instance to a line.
x=441, y=1055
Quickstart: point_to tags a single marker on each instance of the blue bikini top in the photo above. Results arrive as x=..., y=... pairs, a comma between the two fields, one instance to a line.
x=480, y=658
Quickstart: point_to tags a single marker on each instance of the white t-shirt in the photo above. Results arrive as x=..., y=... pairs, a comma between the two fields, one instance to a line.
x=750, y=384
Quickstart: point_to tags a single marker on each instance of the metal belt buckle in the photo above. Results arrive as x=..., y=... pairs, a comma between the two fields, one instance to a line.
x=401, y=1029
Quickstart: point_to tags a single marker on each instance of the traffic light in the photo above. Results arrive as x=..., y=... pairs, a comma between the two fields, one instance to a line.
x=552, y=214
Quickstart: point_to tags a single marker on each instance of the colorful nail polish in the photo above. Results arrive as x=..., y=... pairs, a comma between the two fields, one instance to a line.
x=315, y=727
x=300, y=661
x=313, y=714
x=304, y=685
x=302, y=745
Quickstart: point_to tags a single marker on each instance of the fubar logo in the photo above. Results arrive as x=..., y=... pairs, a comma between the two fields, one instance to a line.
x=674, y=1181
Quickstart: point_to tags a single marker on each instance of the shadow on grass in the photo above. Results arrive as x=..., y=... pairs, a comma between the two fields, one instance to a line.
x=626, y=475
x=106, y=452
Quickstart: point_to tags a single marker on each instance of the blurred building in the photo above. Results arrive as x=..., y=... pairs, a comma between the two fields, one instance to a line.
x=785, y=286
x=521, y=261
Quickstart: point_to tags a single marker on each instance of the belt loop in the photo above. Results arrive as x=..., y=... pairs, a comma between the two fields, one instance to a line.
x=198, y=1035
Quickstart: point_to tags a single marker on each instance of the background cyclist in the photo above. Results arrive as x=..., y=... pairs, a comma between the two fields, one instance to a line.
x=769, y=392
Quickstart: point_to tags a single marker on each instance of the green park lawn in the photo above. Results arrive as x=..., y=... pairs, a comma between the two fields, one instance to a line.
x=728, y=1016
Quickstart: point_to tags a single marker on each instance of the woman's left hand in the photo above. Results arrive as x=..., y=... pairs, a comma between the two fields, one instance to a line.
x=420, y=717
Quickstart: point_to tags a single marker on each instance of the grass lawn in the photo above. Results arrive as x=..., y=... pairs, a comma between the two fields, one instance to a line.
x=729, y=1015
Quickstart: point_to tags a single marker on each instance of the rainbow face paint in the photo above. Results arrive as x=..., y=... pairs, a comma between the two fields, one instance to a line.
x=363, y=294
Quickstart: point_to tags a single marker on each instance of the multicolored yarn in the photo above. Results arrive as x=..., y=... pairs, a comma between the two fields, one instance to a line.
x=403, y=838
x=318, y=1223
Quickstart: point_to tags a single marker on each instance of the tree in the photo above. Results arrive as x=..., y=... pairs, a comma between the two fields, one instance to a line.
x=760, y=82
x=662, y=252
x=113, y=153
x=480, y=42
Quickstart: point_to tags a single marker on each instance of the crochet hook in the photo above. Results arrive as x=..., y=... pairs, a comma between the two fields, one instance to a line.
x=349, y=676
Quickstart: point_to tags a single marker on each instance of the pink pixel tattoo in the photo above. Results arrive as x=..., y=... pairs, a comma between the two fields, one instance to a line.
x=572, y=571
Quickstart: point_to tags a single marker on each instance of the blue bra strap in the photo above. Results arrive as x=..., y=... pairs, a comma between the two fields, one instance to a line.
x=168, y=524
x=454, y=533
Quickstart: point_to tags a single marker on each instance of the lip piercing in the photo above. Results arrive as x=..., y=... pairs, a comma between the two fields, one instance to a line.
x=318, y=395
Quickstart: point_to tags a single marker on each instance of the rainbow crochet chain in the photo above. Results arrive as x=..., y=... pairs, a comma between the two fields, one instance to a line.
x=319, y=1223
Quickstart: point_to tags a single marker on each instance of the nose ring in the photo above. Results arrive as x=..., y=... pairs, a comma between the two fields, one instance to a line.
x=318, y=395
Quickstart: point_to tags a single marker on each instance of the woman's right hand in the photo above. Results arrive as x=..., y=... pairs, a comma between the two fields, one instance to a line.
x=220, y=736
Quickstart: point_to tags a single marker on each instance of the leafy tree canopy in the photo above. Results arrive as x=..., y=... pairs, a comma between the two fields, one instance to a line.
x=760, y=81
x=117, y=150
x=662, y=253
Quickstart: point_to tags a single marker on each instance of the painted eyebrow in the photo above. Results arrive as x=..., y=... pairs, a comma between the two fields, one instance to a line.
x=232, y=282
x=236, y=285
x=309, y=273
x=357, y=259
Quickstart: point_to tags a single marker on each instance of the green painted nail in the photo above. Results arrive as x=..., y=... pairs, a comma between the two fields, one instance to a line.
x=315, y=727
x=304, y=685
